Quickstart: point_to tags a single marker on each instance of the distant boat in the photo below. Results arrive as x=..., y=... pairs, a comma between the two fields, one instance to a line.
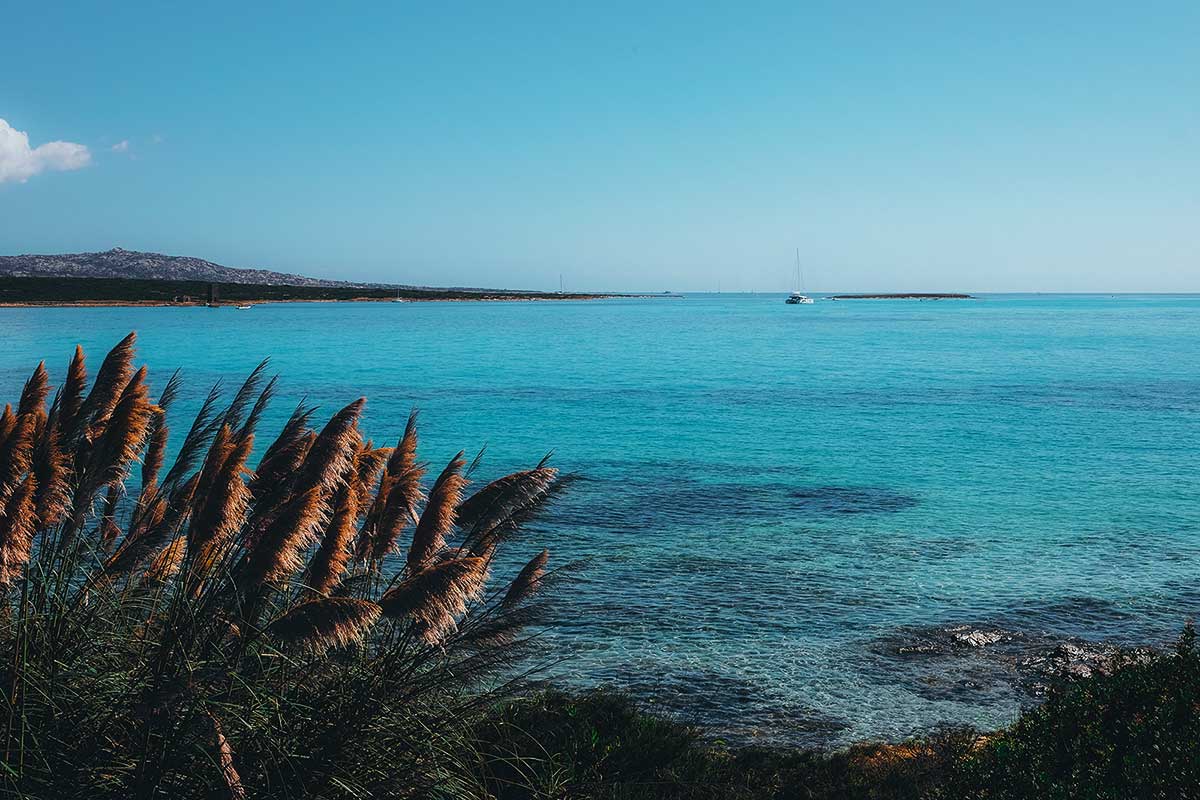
x=798, y=297
x=244, y=307
x=398, y=298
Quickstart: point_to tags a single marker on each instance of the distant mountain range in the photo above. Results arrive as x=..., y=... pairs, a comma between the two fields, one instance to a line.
x=119, y=263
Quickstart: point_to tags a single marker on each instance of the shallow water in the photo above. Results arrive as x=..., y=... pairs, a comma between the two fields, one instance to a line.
x=804, y=523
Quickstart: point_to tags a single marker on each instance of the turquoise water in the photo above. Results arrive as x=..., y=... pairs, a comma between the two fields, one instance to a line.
x=804, y=523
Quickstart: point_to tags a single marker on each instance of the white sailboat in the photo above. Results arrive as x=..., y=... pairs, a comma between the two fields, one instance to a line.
x=798, y=297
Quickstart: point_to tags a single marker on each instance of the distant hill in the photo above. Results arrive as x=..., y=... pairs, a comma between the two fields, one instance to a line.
x=133, y=265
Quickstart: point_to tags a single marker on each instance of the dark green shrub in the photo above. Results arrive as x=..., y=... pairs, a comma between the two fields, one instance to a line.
x=600, y=745
x=1133, y=732
x=1130, y=732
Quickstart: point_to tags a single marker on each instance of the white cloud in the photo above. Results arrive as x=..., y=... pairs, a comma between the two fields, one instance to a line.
x=20, y=162
x=121, y=146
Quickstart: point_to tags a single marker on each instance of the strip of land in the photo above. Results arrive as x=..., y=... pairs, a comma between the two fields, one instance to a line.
x=31, y=291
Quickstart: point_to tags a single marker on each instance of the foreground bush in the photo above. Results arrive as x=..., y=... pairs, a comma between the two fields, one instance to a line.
x=600, y=745
x=1134, y=732
x=1131, y=733
x=209, y=630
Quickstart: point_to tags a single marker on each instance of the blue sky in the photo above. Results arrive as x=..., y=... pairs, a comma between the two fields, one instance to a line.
x=958, y=146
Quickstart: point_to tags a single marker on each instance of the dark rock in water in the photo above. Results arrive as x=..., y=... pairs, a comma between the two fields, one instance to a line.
x=852, y=500
x=972, y=637
x=952, y=662
x=1078, y=659
x=944, y=641
x=652, y=504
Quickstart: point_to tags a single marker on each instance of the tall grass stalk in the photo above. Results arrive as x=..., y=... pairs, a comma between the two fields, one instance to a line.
x=309, y=625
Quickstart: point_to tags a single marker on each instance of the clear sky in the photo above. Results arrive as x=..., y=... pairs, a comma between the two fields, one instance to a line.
x=641, y=146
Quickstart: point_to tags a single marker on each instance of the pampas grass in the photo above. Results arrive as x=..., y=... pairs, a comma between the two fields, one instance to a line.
x=326, y=622
x=16, y=532
x=528, y=580
x=233, y=627
x=332, y=558
x=436, y=596
x=400, y=493
x=435, y=523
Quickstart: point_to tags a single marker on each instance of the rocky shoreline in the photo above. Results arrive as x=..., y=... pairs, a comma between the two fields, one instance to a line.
x=1124, y=729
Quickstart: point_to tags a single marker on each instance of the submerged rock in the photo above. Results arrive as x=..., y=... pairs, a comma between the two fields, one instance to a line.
x=980, y=638
x=1079, y=659
x=957, y=661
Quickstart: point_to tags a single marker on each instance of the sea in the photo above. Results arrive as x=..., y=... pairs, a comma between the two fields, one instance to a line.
x=803, y=525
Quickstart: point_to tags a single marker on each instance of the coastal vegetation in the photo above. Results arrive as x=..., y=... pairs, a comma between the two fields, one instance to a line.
x=136, y=291
x=1132, y=730
x=324, y=624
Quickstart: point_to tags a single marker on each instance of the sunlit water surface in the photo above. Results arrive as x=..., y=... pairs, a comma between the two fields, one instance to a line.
x=811, y=524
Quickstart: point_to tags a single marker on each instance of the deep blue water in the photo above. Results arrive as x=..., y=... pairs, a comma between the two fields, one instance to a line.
x=807, y=523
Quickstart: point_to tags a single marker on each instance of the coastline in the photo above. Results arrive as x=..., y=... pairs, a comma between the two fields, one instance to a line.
x=489, y=298
x=1127, y=731
x=83, y=292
